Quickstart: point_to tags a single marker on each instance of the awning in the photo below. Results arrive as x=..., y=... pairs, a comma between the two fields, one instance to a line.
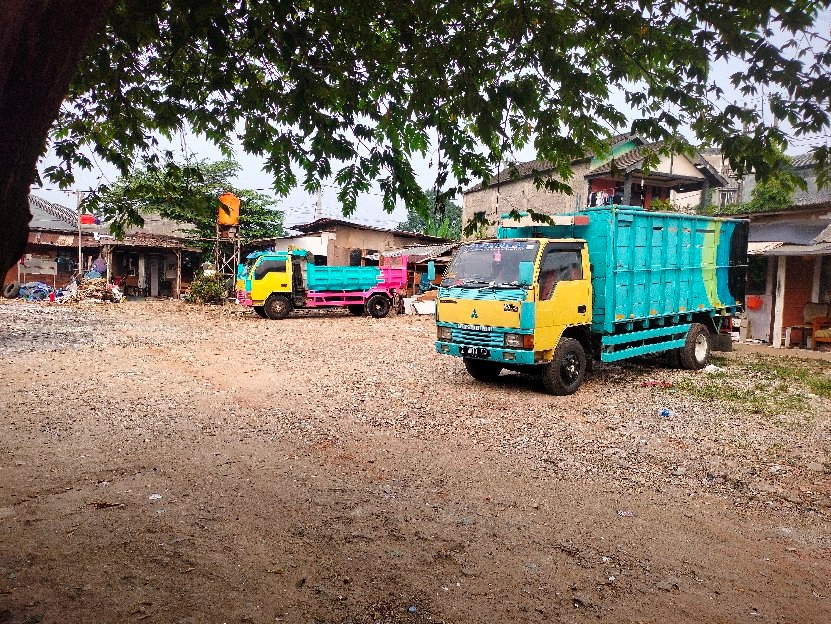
x=781, y=249
x=755, y=249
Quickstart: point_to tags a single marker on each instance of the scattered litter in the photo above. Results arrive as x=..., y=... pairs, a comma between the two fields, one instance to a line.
x=654, y=383
x=95, y=289
x=711, y=368
x=626, y=514
x=412, y=609
x=104, y=505
x=665, y=412
x=155, y=497
x=34, y=291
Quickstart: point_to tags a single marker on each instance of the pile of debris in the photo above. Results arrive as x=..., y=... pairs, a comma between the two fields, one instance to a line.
x=95, y=289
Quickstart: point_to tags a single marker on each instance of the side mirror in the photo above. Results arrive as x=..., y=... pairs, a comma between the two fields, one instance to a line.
x=431, y=270
x=526, y=273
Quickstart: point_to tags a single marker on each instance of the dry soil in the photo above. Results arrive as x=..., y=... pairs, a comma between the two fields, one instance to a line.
x=161, y=462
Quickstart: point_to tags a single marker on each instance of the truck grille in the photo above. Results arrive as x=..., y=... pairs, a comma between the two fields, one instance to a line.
x=484, y=294
x=478, y=338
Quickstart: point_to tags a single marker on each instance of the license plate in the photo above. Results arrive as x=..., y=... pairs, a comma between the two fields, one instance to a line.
x=479, y=352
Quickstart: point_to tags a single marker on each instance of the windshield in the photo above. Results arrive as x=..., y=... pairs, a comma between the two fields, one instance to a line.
x=489, y=263
x=244, y=270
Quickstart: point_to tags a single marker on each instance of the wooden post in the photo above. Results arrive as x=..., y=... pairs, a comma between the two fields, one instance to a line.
x=108, y=253
x=817, y=274
x=705, y=194
x=779, y=307
x=178, y=273
x=627, y=190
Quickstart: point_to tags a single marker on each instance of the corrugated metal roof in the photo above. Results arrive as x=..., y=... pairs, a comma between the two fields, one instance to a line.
x=424, y=252
x=321, y=225
x=790, y=232
x=823, y=237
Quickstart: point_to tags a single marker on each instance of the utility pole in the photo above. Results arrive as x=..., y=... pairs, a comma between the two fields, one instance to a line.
x=319, y=207
x=78, y=200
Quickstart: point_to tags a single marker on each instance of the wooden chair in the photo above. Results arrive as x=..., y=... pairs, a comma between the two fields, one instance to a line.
x=810, y=312
x=821, y=331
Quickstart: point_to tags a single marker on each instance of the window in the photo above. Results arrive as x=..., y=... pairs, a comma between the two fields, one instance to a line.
x=757, y=275
x=560, y=262
x=269, y=266
x=354, y=257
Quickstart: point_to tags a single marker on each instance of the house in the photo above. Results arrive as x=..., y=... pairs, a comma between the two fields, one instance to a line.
x=338, y=242
x=153, y=260
x=619, y=177
x=789, y=262
x=418, y=259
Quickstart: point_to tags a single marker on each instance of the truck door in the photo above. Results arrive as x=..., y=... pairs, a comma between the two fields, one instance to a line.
x=270, y=276
x=564, y=291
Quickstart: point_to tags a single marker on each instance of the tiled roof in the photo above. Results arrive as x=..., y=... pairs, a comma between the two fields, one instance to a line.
x=518, y=171
x=631, y=159
x=51, y=217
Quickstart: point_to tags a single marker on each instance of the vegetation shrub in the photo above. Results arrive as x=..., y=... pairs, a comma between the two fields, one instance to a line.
x=207, y=289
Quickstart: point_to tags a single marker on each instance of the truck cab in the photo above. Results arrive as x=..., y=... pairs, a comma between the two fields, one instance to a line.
x=508, y=303
x=272, y=282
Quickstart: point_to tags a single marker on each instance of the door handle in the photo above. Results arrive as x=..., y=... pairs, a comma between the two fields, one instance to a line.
x=581, y=309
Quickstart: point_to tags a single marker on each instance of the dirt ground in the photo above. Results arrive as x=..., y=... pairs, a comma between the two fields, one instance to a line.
x=168, y=463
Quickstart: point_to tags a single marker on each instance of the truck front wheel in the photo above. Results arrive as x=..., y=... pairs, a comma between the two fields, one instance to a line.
x=277, y=307
x=482, y=370
x=378, y=306
x=566, y=371
x=695, y=354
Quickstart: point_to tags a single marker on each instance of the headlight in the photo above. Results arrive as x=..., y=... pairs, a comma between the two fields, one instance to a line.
x=445, y=333
x=519, y=341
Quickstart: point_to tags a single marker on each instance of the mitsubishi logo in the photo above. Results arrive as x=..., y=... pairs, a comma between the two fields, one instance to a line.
x=473, y=314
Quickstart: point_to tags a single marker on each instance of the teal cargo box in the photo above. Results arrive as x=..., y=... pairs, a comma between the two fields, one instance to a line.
x=651, y=268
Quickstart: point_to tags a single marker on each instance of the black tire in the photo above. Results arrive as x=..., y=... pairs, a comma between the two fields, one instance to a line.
x=277, y=307
x=378, y=305
x=567, y=370
x=260, y=310
x=695, y=354
x=482, y=370
x=356, y=310
x=11, y=290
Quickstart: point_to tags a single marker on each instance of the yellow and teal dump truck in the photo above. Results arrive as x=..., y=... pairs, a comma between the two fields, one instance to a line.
x=605, y=283
x=274, y=283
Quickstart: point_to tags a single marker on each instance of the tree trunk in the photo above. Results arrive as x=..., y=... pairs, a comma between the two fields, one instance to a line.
x=41, y=42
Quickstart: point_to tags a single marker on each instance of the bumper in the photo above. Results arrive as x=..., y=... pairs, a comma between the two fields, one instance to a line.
x=493, y=354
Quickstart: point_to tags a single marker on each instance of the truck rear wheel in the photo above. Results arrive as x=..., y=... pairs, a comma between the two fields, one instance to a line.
x=378, y=305
x=567, y=369
x=482, y=370
x=277, y=307
x=695, y=354
x=356, y=310
x=11, y=290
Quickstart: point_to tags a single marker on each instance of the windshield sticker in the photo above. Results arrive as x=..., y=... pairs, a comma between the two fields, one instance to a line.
x=497, y=256
x=501, y=245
